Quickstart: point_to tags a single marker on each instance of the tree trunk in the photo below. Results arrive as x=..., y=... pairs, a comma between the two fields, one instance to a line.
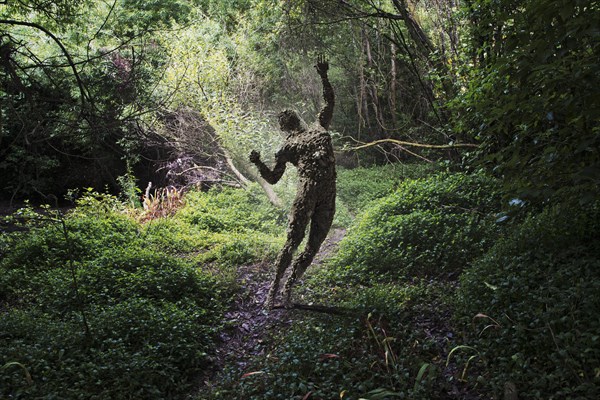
x=424, y=45
x=393, y=79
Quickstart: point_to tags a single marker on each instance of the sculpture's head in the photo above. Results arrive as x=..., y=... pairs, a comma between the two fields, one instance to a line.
x=290, y=122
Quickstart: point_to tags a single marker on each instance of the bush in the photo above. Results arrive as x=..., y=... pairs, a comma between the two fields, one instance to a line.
x=140, y=349
x=45, y=247
x=537, y=291
x=233, y=249
x=427, y=228
x=231, y=210
x=174, y=236
x=229, y=227
x=359, y=186
x=152, y=317
x=177, y=237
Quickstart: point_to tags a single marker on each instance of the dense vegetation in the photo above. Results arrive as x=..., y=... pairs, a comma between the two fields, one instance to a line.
x=103, y=305
x=467, y=136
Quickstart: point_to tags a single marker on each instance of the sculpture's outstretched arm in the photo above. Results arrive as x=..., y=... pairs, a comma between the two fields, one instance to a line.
x=270, y=175
x=326, y=112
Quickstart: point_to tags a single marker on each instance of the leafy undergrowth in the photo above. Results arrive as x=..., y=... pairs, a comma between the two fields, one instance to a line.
x=386, y=345
x=96, y=305
x=529, y=308
x=391, y=320
x=358, y=187
x=385, y=332
x=436, y=292
x=427, y=228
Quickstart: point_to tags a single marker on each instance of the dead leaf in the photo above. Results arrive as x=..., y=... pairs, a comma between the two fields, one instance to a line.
x=252, y=373
x=324, y=357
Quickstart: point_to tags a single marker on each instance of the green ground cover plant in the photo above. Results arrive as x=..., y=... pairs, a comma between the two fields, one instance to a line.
x=232, y=210
x=102, y=306
x=530, y=307
x=382, y=347
x=97, y=304
x=124, y=297
x=374, y=352
x=238, y=226
x=427, y=228
x=357, y=187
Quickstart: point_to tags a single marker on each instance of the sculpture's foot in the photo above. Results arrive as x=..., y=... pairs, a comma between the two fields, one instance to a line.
x=270, y=302
x=287, y=300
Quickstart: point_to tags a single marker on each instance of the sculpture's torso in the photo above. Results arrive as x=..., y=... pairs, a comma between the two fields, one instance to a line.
x=311, y=152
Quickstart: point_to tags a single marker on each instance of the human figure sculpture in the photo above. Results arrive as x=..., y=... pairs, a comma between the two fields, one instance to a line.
x=310, y=150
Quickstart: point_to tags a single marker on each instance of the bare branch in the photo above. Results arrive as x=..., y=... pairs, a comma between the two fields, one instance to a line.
x=62, y=47
x=110, y=11
x=422, y=145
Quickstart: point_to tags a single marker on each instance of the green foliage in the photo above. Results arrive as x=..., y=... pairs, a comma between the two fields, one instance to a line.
x=173, y=236
x=427, y=228
x=102, y=311
x=74, y=85
x=232, y=249
x=136, y=16
x=227, y=227
x=530, y=306
x=530, y=96
x=359, y=186
x=540, y=136
x=373, y=352
x=227, y=12
x=45, y=247
x=231, y=210
x=56, y=12
x=231, y=226
x=142, y=349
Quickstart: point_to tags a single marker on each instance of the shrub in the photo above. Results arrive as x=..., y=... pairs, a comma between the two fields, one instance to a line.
x=231, y=210
x=359, y=186
x=177, y=237
x=163, y=203
x=451, y=193
x=140, y=349
x=174, y=236
x=230, y=226
x=537, y=291
x=88, y=234
x=427, y=228
x=115, y=276
x=233, y=249
x=152, y=317
x=38, y=255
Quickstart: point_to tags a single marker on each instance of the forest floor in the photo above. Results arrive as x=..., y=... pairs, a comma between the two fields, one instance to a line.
x=250, y=329
x=248, y=324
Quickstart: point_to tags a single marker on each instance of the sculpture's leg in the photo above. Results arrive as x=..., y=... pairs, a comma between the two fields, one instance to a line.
x=319, y=228
x=298, y=220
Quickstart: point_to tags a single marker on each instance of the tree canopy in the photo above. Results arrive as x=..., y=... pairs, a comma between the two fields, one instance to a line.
x=466, y=137
x=84, y=84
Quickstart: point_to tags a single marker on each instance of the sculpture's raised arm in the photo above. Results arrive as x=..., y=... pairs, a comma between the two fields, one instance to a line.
x=326, y=112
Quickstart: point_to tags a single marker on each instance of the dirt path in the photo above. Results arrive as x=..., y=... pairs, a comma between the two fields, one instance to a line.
x=248, y=323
